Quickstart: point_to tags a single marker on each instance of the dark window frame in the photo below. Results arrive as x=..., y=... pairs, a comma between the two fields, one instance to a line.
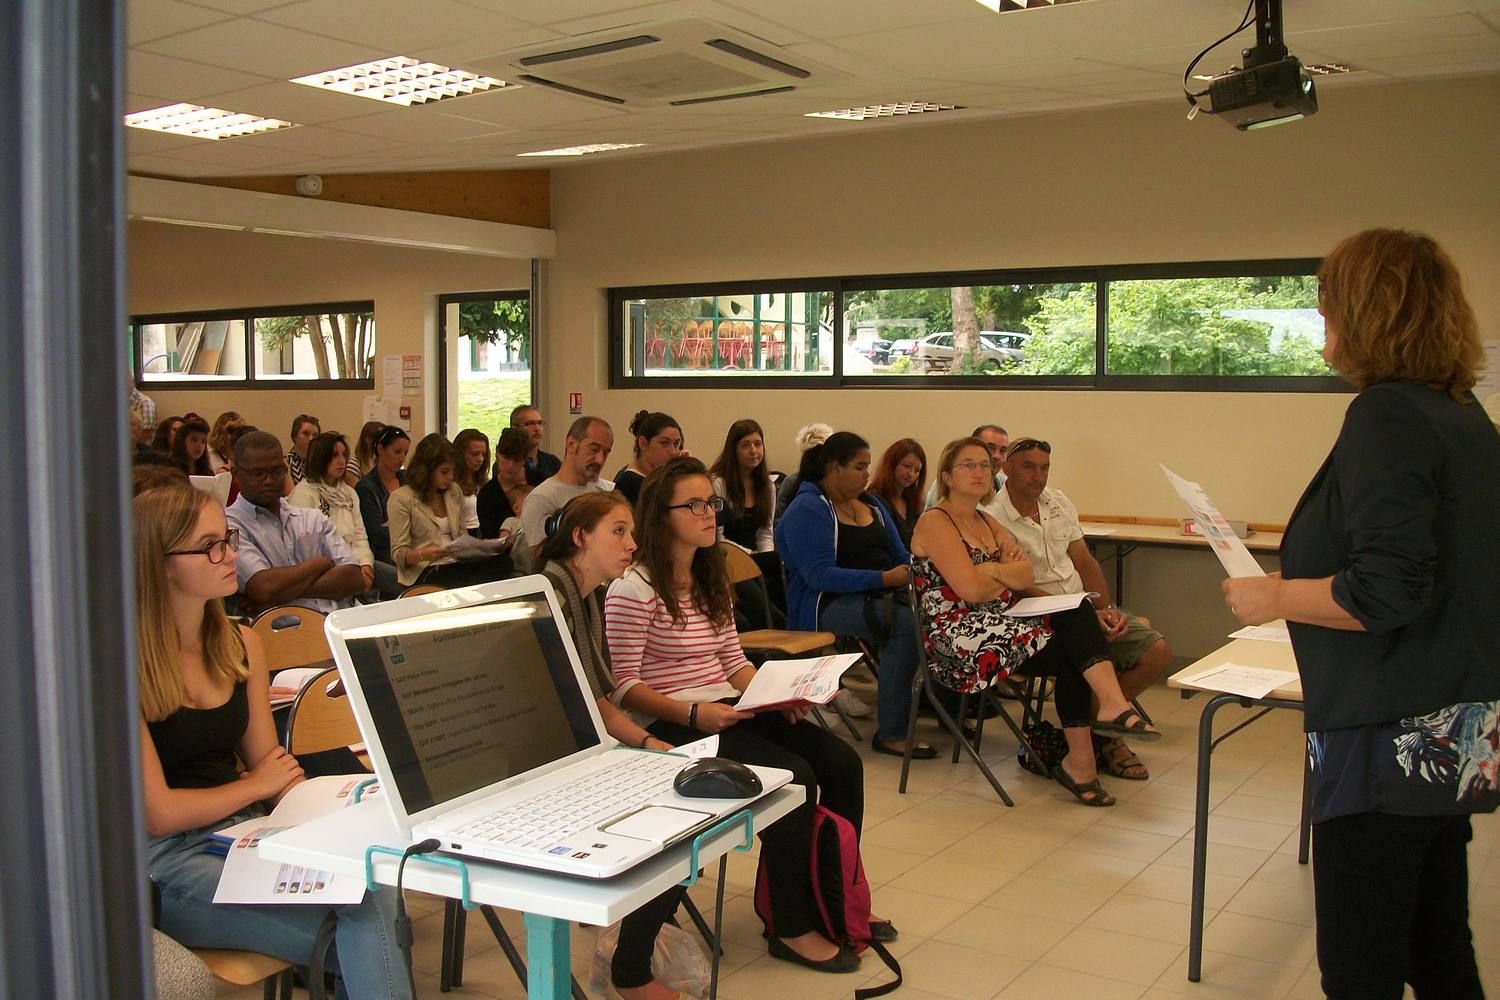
x=1099, y=275
x=248, y=315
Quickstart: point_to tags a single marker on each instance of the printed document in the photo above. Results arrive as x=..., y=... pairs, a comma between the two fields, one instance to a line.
x=1235, y=678
x=1266, y=633
x=1030, y=607
x=1236, y=559
x=780, y=683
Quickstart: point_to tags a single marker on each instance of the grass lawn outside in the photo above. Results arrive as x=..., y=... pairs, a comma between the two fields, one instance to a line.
x=486, y=403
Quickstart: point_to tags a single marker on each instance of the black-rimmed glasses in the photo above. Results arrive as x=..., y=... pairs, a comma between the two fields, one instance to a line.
x=698, y=508
x=216, y=550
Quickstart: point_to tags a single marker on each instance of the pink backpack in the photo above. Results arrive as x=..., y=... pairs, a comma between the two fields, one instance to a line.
x=840, y=894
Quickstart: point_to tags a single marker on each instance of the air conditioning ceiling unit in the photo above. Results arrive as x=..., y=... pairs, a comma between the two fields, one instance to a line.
x=655, y=64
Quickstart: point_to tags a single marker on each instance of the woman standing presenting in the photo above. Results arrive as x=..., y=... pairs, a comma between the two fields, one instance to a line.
x=1388, y=586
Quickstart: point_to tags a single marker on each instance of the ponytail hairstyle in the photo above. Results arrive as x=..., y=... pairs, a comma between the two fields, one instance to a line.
x=710, y=592
x=839, y=449
x=364, y=451
x=727, y=468
x=583, y=512
x=164, y=518
x=646, y=424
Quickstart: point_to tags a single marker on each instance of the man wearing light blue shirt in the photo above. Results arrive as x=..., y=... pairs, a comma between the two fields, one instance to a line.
x=287, y=555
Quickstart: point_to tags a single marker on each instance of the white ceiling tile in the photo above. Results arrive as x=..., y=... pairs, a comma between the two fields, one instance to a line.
x=832, y=18
x=267, y=49
x=942, y=50
x=235, y=155
x=147, y=142
x=1415, y=67
x=159, y=18
x=239, y=7
x=294, y=102
x=166, y=166
x=465, y=52
x=529, y=107
x=149, y=74
x=1306, y=16
x=312, y=141
x=417, y=125
x=396, y=26
x=743, y=20
x=549, y=11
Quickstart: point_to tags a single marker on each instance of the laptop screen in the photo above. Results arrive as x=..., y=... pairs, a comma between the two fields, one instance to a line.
x=464, y=698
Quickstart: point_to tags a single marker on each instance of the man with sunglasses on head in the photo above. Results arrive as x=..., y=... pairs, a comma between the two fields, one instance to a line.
x=287, y=554
x=1046, y=525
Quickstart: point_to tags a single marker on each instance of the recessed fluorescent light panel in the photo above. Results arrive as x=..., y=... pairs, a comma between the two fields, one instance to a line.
x=598, y=147
x=895, y=109
x=403, y=81
x=1330, y=69
x=203, y=123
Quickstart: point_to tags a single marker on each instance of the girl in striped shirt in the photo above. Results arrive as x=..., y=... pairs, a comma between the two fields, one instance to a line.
x=679, y=668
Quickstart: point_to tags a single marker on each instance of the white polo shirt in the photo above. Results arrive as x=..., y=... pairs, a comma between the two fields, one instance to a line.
x=1046, y=539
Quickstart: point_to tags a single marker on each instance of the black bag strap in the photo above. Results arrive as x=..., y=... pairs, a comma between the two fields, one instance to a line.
x=884, y=988
x=322, y=941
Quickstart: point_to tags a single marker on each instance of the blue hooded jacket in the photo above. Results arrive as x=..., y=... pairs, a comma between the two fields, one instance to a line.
x=807, y=539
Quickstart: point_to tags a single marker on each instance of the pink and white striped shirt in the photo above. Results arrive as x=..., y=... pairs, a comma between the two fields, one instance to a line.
x=688, y=660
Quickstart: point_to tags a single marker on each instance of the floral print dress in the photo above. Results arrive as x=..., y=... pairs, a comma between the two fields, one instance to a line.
x=971, y=646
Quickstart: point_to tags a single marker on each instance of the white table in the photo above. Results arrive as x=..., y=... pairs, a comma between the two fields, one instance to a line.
x=337, y=843
x=1249, y=653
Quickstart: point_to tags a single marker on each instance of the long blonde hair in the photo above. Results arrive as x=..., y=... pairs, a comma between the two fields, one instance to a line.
x=164, y=519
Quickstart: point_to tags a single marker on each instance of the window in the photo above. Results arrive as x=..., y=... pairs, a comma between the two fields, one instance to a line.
x=1224, y=325
x=327, y=344
x=725, y=333
x=915, y=331
x=488, y=337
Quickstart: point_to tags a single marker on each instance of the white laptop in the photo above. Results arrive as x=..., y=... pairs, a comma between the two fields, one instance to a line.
x=484, y=734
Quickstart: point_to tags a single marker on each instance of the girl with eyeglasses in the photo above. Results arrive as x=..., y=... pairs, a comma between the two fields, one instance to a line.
x=204, y=704
x=968, y=570
x=679, y=668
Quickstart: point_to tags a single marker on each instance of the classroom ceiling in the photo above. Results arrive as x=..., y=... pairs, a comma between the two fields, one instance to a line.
x=238, y=55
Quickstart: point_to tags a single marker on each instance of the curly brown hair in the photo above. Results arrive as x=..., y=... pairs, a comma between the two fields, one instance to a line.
x=711, y=591
x=1396, y=303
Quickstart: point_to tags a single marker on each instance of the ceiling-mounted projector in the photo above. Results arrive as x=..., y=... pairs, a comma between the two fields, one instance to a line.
x=1270, y=88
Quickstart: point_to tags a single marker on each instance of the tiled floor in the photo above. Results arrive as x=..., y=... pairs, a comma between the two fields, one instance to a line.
x=1051, y=899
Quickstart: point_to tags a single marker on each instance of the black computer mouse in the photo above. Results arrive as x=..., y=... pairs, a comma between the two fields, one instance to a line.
x=716, y=778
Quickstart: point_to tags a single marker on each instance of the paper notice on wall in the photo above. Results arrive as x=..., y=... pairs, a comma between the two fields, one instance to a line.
x=387, y=410
x=390, y=376
x=1487, y=389
x=1236, y=559
x=411, y=374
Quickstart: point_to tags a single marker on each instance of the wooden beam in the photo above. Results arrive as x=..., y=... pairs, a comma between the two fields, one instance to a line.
x=517, y=197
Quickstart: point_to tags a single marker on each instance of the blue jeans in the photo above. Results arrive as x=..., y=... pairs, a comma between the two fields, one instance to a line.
x=845, y=615
x=364, y=950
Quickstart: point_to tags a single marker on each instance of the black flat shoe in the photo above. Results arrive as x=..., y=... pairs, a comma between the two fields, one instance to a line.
x=844, y=961
x=883, y=931
x=921, y=751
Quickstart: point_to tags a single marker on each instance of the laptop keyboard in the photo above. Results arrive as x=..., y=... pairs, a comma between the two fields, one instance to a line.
x=549, y=817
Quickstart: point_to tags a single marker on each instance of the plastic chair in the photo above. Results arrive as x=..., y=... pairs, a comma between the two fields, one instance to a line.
x=320, y=720
x=246, y=968
x=292, y=635
x=778, y=642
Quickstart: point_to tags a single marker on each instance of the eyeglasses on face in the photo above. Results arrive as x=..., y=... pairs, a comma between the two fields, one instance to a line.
x=216, y=550
x=277, y=471
x=973, y=467
x=698, y=508
x=1026, y=444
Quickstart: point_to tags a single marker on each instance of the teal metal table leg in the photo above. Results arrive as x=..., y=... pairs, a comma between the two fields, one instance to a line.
x=548, y=975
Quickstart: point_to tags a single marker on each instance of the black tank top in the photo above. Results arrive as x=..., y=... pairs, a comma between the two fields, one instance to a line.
x=863, y=547
x=197, y=745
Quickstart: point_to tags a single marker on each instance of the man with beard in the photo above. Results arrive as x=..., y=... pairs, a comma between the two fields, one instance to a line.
x=586, y=449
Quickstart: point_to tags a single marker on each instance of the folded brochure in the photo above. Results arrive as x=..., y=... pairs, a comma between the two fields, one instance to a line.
x=782, y=683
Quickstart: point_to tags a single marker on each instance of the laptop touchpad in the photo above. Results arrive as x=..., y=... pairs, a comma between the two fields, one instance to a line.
x=657, y=824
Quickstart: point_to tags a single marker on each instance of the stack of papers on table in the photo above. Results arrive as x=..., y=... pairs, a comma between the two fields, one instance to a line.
x=1235, y=678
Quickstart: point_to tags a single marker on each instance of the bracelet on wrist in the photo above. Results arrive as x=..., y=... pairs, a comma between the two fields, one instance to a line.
x=693, y=716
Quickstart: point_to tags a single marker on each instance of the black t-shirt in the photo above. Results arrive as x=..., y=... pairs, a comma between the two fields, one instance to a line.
x=197, y=745
x=628, y=484
x=493, y=507
x=863, y=547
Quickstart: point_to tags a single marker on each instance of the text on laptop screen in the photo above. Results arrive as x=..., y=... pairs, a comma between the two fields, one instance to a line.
x=463, y=699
